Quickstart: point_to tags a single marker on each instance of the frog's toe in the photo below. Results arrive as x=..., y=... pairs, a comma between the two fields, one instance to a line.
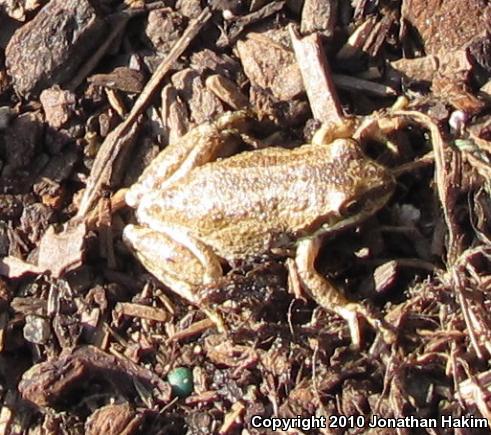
x=353, y=313
x=327, y=133
x=353, y=320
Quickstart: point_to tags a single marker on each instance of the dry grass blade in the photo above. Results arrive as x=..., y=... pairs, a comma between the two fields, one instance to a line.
x=446, y=180
x=118, y=142
x=477, y=391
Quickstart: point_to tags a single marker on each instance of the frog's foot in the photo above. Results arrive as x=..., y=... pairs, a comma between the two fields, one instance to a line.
x=183, y=265
x=330, y=298
x=380, y=126
x=377, y=128
x=204, y=143
x=328, y=133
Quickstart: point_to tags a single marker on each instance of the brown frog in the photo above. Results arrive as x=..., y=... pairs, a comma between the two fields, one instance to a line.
x=196, y=210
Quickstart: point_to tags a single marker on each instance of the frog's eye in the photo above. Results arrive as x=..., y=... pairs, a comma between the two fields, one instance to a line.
x=351, y=208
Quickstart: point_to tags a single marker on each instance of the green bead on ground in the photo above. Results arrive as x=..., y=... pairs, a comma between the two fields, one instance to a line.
x=181, y=381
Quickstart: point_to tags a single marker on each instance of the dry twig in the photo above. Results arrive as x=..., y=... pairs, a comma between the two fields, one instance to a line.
x=121, y=137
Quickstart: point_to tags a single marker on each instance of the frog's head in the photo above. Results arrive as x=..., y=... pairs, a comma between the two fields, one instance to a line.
x=365, y=185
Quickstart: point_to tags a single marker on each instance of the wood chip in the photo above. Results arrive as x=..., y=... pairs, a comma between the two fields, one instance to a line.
x=46, y=383
x=421, y=69
x=119, y=419
x=227, y=91
x=232, y=419
x=270, y=64
x=13, y=267
x=354, y=84
x=357, y=40
x=175, y=115
x=62, y=252
x=319, y=16
x=447, y=25
x=385, y=276
x=242, y=22
x=142, y=312
x=164, y=27
x=317, y=78
x=58, y=106
x=116, y=102
x=121, y=78
x=203, y=104
x=122, y=137
x=49, y=48
x=196, y=328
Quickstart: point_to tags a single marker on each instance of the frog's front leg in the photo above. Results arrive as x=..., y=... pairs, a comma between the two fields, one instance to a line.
x=329, y=297
x=181, y=262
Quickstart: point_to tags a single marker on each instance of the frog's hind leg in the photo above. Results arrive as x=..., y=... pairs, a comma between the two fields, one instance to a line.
x=204, y=143
x=183, y=267
x=329, y=297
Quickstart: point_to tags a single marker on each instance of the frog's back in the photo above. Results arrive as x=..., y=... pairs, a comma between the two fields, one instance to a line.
x=257, y=200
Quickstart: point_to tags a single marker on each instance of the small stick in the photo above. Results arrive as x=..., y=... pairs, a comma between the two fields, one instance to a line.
x=355, y=84
x=317, y=78
x=195, y=329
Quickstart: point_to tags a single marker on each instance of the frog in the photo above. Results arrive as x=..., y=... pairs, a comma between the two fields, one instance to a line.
x=199, y=205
